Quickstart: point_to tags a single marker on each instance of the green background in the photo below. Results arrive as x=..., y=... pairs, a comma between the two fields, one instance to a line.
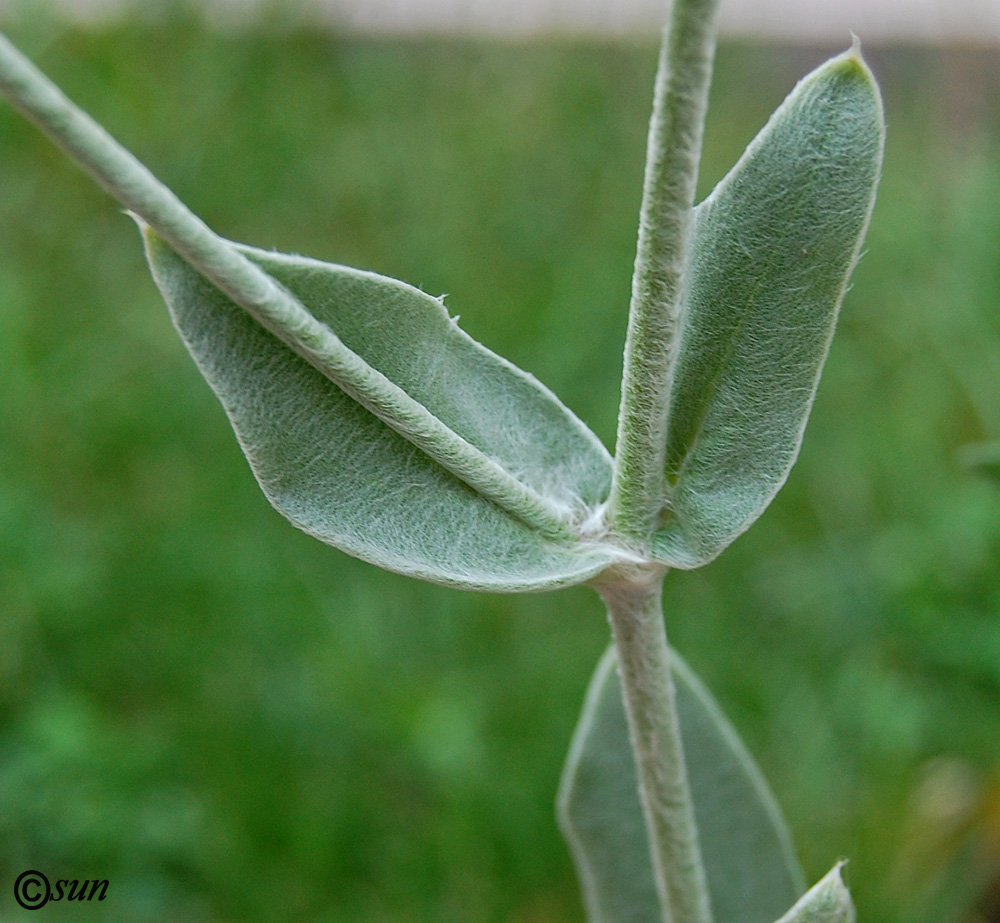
x=232, y=722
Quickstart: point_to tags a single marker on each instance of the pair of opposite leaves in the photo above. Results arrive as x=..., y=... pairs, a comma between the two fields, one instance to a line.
x=770, y=253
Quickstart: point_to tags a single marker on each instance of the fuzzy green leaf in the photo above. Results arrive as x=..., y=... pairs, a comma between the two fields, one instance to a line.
x=341, y=473
x=749, y=861
x=772, y=249
x=828, y=901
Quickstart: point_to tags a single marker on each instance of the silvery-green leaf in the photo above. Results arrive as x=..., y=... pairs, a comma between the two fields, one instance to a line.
x=828, y=901
x=749, y=860
x=340, y=473
x=771, y=252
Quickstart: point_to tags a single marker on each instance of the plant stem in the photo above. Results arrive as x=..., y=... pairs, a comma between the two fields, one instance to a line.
x=673, y=150
x=636, y=614
x=638, y=493
x=135, y=187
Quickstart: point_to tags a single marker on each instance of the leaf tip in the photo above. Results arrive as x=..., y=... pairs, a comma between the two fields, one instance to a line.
x=141, y=222
x=855, y=50
x=828, y=901
x=852, y=63
x=851, y=74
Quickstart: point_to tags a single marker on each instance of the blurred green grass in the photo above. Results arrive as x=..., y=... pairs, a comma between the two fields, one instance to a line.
x=232, y=722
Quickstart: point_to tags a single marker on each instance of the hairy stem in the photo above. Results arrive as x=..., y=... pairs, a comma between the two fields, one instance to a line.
x=673, y=150
x=638, y=486
x=636, y=614
x=135, y=187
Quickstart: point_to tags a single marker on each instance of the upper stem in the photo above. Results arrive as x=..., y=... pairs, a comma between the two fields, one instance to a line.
x=672, y=154
x=636, y=614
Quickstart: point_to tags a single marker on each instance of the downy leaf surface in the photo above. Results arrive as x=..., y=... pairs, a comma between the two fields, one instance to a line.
x=753, y=875
x=771, y=251
x=340, y=473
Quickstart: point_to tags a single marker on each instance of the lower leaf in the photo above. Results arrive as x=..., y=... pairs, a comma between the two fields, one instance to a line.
x=750, y=865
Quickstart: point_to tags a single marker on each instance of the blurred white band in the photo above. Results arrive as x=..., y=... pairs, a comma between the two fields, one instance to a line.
x=799, y=21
